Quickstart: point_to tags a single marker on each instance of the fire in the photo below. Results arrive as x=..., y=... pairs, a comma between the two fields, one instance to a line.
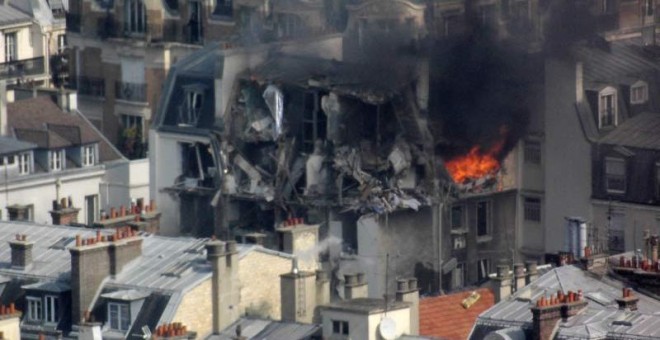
x=475, y=164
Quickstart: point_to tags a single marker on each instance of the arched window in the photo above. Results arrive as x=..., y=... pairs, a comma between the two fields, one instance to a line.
x=136, y=16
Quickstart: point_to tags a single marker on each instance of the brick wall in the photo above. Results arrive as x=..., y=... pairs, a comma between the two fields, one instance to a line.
x=257, y=298
x=195, y=309
x=89, y=266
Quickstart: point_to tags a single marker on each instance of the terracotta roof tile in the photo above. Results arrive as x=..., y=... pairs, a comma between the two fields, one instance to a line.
x=444, y=316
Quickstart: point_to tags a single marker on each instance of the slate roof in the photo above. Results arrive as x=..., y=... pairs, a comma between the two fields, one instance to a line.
x=258, y=329
x=10, y=145
x=641, y=131
x=10, y=16
x=444, y=316
x=40, y=121
x=617, y=62
x=597, y=318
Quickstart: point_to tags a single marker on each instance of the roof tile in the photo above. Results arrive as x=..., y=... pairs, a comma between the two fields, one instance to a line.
x=444, y=316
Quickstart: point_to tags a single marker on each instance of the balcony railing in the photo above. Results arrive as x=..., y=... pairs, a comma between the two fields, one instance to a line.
x=22, y=68
x=134, y=92
x=91, y=86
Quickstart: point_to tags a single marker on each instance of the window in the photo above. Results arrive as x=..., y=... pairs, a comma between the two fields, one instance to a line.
x=223, y=7
x=615, y=175
x=8, y=160
x=11, y=52
x=118, y=316
x=459, y=275
x=61, y=43
x=52, y=310
x=132, y=122
x=34, y=308
x=457, y=217
x=195, y=22
x=136, y=16
x=459, y=241
x=192, y=108
x=657, y=179
x=483, y=217
x=607, y=109
x=340, y=327
x=532, y=152
x=638, y=93
x=483, y=268
x=24, y=163
x=56, y=159
x=91, y=207
x=88, y=155
x=648, y=8
x=532, y=209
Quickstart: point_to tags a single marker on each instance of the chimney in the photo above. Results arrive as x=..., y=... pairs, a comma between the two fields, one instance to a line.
x=67, y=100
x=355, y=286
x=93, y=259
x=322, y=293
x=548, y=311
x=628, y=300
x=579, y=82
x=90, y=331
x=63, y=214
x=10, y=320
x=532, y=272
x=21, y=252
x=297, y=238
x=298, y=295
x=225, y=286
x=407, y=291
x=519, y=275
x=502, y=283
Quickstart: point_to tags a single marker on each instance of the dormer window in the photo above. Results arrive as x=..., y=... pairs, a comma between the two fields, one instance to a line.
x=607, y=108
x=56, y=159
x=34, y=309
x=88, y=155
x=191, y=108
x=615, y=175
x=24, y=163
x=119, y=318
x=639, y=93
x=136, y=16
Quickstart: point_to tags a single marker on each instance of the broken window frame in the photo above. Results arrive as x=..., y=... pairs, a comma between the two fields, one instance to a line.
x=314, y=120
x=615, y=175
x=483, y=230
x=459, y=275
x=191, y=108
x=532, y=209
x=607, y=108
x=483, y=269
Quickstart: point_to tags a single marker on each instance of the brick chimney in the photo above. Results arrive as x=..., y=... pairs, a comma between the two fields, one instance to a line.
x=355, y=286
x=532, y=271
x=548, y=311
x=21, y=252
x=93, y=259
x=407, y=291
x=322, y=293
x=64, y=213
x=502, y=283
x=225, y=292
x=300, y=239
x=519, y=275
x=628, y=300
x=298, y=295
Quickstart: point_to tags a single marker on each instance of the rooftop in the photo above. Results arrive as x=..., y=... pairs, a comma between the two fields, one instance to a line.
x=10, y=145
x=640, y=131
x=366, y=305
x=258, y=329
x=11, y=16
x=445, y=317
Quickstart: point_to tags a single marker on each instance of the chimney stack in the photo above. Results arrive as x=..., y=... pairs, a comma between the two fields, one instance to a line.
x=628, y=300
x=64, y=214
x=21, y=252
x=355, y=286
x=548, y=311
x=296, y=237
x=407, y=291
x=298, y=295
x=502, y=283
x=225, y=286
x=532, y=271
x=67, y=100
x=519, y=275
x=322, y=293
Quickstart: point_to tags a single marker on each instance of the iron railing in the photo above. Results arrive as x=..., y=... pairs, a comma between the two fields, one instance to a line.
x=22, y=68
x=134, y=92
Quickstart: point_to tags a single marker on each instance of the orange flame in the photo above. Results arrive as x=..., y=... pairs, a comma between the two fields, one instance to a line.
x=475, y=164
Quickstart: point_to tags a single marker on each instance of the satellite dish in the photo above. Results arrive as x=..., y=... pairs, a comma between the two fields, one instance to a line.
x=387, y=329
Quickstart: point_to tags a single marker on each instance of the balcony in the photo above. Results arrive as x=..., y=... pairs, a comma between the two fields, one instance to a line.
x=133, y=92
x=91, y=86
x=22, y=68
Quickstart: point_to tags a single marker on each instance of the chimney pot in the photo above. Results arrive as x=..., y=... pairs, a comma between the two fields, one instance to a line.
x=350, y=279
x=503, y=271
x=360, y=278
x=402, y=285
x=230, y=246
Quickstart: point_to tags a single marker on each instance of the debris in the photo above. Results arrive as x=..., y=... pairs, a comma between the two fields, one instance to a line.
x=275, y=100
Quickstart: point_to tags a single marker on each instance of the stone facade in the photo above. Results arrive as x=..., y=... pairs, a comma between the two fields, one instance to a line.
x=257, y=298
x=195, y=307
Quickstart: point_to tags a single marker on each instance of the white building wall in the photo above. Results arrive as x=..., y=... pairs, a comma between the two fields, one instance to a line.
x=40, y=191
x=363, y=326
x=125, y=181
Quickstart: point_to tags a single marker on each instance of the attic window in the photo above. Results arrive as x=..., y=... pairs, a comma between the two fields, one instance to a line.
x=615, y=175
x=191, y=107
x=639, y=93
x=607, y=108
